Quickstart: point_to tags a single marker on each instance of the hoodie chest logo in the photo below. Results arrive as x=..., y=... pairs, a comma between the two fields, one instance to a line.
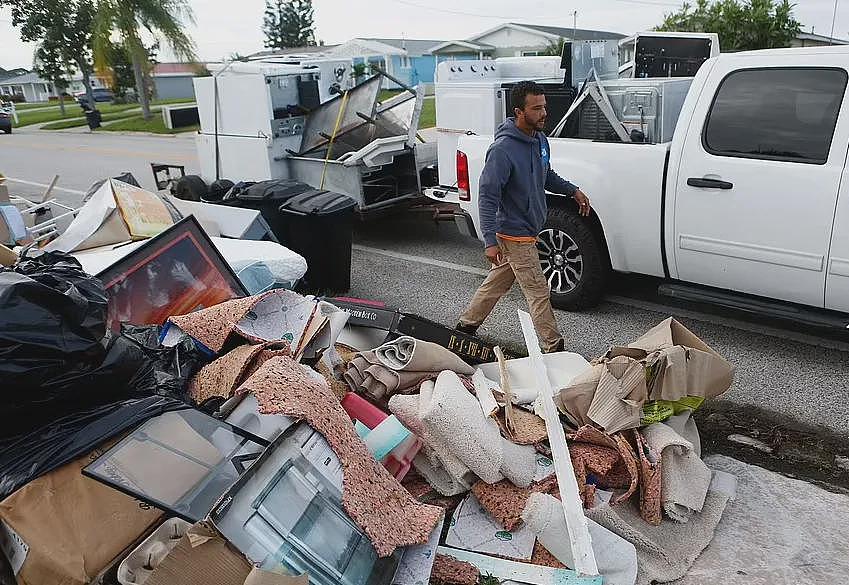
x=543, y=153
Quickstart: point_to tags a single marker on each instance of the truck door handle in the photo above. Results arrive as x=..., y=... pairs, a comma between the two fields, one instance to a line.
x=709, y=183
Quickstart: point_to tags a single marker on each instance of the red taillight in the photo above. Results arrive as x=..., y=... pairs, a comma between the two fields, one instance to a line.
x=463, y=176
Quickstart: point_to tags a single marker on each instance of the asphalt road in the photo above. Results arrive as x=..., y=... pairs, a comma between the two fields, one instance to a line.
x=426, y=267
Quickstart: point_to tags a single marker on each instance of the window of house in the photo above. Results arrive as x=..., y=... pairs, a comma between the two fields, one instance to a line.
x=530, y=53
x=776, y=114
x=405, y=62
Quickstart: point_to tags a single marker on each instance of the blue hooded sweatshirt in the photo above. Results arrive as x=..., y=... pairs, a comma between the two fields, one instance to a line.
x=511, y=193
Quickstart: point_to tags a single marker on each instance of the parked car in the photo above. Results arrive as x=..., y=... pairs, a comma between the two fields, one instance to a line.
x=100, y=94
x=748, y=199
x=5, y=121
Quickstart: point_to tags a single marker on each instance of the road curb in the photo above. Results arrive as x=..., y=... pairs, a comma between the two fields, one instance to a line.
x=775, y=442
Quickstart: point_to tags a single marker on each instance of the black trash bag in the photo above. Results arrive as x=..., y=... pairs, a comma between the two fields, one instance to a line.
x=124, y=372
x=7, y=575
x=66, y=439
x=171, y=368
x=49, y=304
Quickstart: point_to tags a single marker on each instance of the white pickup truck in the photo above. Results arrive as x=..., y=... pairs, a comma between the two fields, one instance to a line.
x=751, y=194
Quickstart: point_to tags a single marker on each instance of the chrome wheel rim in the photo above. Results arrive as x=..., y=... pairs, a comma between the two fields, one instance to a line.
x=561, y=260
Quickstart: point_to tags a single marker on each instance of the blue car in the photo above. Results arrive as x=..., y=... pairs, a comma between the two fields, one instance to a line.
x=100, y=94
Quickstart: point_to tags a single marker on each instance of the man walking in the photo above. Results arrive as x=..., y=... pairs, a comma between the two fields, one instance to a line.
x=513, y=210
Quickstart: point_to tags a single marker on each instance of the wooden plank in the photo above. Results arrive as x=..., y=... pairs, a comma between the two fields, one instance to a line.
x=515, y=571
x=576, y=522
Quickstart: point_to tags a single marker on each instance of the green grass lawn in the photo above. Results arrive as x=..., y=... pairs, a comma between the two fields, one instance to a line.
x=137, y=124
x=35, y=105
x=427, y=119
x=63, y=124
x=72, y=110
x=174, y=101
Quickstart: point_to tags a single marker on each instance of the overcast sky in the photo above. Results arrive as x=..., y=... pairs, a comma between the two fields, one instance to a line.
x=227, y=26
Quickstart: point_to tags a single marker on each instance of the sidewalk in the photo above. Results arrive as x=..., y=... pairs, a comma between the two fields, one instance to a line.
x=778, y=531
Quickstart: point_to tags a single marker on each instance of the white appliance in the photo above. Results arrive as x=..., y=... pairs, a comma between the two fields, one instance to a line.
x=252, y=114
x=470, y=99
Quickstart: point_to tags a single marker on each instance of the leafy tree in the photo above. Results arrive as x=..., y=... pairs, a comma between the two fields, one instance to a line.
x=63, y=27
x=50, y=64
x=288, y=24
x=741, y=25
x=164, y=19
x=554, y=48
x=122, y=78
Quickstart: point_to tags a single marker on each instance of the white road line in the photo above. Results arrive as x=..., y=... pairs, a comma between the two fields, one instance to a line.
x=44, y=186
x=635, y=304
x=422, y=260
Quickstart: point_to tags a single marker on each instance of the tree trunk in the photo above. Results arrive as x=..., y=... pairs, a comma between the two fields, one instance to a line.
x=87, y=83
x=140, y=89
x=61, y=98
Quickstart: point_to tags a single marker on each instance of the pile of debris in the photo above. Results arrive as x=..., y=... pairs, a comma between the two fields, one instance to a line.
x=179, y=430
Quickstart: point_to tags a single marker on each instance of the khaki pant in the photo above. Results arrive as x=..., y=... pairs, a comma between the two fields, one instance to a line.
x=521, y=262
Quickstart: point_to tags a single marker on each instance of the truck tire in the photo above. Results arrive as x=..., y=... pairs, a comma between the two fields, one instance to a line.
x=190, y=188
x=573, y=260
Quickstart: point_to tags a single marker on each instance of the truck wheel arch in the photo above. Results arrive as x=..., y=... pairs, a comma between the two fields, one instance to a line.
x=588, y=234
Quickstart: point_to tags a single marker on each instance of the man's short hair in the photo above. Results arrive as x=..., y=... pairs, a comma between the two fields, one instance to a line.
x=520, y=92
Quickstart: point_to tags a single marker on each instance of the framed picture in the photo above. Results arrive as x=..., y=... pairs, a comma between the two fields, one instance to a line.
x=174, y=273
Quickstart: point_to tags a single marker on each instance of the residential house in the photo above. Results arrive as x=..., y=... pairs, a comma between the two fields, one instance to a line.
x=813, y=40
x=174, y=80
x=407, y=60
x=29, y=85
x=76, y=86
x=516, y=40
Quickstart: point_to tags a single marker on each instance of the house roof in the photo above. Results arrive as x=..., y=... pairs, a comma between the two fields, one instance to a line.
x=7, y=73
x=175, y=69
x=359, y=47
x=821, y=38
x=292, y=51
x=413, y=47
x=23, y=79
x=472, y=46
x=555, y=32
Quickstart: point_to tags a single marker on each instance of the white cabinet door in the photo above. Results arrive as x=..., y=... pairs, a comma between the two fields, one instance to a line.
x=756, y=189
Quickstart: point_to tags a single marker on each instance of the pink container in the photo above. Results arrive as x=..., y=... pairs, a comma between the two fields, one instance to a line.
x=400, y=459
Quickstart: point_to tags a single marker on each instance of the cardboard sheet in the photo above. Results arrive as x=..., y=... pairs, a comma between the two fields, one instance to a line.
x=474, y=530
x=203, y=557
x=53, y=529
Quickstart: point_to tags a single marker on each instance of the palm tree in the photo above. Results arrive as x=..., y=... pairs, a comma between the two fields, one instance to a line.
x=164, y=19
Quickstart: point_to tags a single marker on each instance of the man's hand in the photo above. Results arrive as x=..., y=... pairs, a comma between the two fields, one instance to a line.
x=493, y=254
x=583, y=203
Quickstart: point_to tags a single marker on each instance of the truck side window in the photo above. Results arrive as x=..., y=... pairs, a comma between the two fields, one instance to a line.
x=784, y=114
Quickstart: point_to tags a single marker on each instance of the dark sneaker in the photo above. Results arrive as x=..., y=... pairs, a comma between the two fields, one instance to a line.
x=561, y=346
x=467, y=329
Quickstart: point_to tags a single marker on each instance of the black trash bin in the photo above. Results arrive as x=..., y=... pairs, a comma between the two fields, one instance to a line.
x=319, y=227
x=93, y=118
x=267, y=197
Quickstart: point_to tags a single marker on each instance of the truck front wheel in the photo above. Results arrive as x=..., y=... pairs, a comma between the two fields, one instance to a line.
x=573, y=260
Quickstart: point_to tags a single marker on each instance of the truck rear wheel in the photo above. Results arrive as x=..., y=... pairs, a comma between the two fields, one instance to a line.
x=573, y=260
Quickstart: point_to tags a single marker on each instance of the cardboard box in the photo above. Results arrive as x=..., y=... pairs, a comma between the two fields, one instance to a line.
x=397, y=323
x=469, y=347
x=203, y=557
x=7, y=257
x=680, y=364
x=64, y=528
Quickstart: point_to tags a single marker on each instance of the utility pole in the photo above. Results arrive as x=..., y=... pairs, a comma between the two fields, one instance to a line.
x=833, y=18
x=575, y=23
